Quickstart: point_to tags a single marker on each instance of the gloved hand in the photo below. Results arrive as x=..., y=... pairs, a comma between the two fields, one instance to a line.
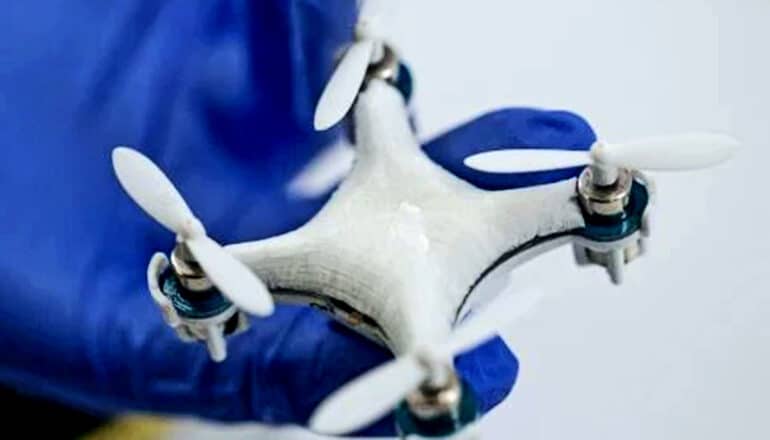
x=221, y=96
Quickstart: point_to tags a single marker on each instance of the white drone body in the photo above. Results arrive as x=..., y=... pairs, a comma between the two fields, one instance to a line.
x=398, y=248
x=401, y=246
x=402, y=241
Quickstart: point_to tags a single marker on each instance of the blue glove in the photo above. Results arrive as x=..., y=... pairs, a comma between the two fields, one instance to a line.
x=221, y=96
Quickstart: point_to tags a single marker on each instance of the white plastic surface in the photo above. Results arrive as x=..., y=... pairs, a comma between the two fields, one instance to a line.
x=232, y=278
x=526, y=160
x=159, y=263
x=492, y=318
x=370, y=18
x=688, y=151
x=215, y=342
x=151, y=189
x=346, y=81
x=341, y=91
x=390, y=243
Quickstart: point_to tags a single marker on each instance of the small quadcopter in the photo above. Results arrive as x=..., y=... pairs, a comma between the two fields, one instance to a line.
x=400, y=247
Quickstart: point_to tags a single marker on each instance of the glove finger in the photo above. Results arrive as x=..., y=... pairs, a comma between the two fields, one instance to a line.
x=275, y=373
x=491, y=369
x=510, y=128
x=329, y=355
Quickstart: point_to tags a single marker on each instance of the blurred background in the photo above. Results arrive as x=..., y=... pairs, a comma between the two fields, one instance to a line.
x=682, y=349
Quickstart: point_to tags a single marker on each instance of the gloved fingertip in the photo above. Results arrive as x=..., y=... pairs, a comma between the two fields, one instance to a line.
x=511, y=128
x=558, y=129
x=491, y=370
x=306, y=358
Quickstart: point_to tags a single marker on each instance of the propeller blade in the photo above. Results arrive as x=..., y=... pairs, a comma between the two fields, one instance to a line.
x=368, y=397
x=370, y=17
x=231, y=276
x=502, y=311
x=378, y=391
x=146, y=184
x=663, y=153
x=669, y=153
x=526, y=160
x=342, y=89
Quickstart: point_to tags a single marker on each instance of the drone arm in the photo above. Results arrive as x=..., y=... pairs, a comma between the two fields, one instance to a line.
x=272, y=258
x=382, y=123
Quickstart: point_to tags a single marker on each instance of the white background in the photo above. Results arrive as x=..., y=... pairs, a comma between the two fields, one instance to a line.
x=682, y=349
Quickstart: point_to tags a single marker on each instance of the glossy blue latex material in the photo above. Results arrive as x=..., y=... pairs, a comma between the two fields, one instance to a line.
x=221, y=95
x=511, y=128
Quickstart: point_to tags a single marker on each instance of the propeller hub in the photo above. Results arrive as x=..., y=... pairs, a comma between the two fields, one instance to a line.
x=604, y=200
x=597, y=151
x=386, y=68
x=602, y=173
x=431, y=401
x=188, y=270
x=192, y=228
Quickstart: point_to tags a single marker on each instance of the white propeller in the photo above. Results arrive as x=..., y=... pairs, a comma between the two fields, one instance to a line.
x=146, y=184
x=346, y=81
x=663, y=153
x=375, y=393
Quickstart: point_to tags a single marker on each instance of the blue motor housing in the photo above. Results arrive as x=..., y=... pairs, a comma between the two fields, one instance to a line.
x=407, y=424
x=190, y=304
x=602, y=228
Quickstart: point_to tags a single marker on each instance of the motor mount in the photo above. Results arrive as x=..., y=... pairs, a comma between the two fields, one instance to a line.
x=616, y=219
x=191, y=304
x=437, y=412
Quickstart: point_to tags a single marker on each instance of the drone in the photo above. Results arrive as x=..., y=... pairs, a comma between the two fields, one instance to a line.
x=398, y=250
